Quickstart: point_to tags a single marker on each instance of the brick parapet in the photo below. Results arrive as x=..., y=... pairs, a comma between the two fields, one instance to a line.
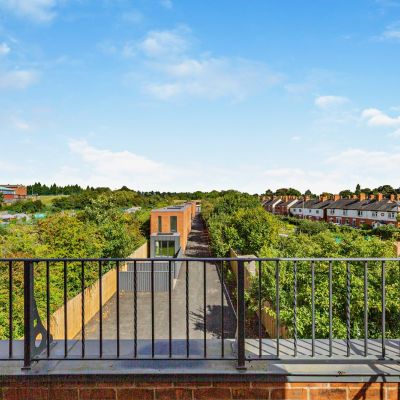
x=54, y=389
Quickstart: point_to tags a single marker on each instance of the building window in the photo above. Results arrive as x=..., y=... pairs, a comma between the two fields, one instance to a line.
x=173, y=223
x=159, y=224
x=360, y=213
x=294, y=210
x=165, y=248
x=309, y=211
x=317, y=212
x=392, y=215
x=332, y=212
x=344, y=212
x=374, y=213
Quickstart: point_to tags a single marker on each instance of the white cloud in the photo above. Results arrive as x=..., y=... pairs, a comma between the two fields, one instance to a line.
x=395, y=134
x=392, y=32
x=296, y=138
x=18, y=79
x=21, y=125
x=166, y=4
x=338, y=172
x=133, y=16
x=173, y=73
x=37, y=10
x=212, y=78
x=4, y=49
x=377, y=118
x=117, y=168
x=165, y=43
x=325, y=102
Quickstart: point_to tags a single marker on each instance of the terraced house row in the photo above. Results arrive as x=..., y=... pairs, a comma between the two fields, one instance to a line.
x=357, y=211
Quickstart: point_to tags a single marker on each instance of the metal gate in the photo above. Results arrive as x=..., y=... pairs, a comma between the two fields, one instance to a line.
x=144, y=274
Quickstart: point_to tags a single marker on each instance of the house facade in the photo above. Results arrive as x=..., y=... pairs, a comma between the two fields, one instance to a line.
x=169, y=229
x=356, y=211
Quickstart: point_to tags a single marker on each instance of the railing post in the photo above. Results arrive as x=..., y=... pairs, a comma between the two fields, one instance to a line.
x=241, y=319
x=28, y=306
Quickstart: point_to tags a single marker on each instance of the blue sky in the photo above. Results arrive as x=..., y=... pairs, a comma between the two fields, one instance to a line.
x=200, y=94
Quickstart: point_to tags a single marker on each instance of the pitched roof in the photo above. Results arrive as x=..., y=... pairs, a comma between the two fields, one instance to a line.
x=342, y=203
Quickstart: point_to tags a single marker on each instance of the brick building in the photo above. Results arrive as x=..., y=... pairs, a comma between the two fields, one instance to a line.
x=169, y=229
x=13, y=192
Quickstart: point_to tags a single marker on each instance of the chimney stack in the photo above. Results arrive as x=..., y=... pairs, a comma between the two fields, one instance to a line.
x=371, y=196
x=392, y=197
x=380, y=197
x=363, y=196
x=336, y=197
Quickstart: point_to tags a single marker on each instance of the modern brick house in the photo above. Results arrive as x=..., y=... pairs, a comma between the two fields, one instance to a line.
x=169, y=229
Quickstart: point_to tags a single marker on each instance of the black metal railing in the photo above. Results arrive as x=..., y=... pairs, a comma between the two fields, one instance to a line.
x=241, y=309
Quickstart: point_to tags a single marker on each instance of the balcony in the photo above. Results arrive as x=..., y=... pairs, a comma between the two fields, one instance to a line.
x=205, y=324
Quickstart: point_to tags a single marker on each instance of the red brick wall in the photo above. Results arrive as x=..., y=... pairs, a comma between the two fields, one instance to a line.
x=125, y=390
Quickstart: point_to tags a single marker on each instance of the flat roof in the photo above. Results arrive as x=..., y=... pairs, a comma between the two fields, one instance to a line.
x=177, y=208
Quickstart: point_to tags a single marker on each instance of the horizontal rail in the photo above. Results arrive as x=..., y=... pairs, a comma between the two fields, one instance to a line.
x=348, y=309
x=202, y=259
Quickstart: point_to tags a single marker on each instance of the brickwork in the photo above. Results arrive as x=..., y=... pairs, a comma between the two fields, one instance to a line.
x=55, y=389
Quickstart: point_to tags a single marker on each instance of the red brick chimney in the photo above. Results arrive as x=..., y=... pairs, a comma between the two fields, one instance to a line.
x=363, y=196
x=380, y=197
x=371, y=196
x=392, y=197
x=323, y=198
x=336, y=197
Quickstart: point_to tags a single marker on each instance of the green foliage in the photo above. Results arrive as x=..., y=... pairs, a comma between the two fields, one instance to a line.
x=25, y=206
x=102, y=229
x=234, y=222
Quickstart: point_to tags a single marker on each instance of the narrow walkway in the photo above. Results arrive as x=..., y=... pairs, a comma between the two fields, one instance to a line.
x=197, y=247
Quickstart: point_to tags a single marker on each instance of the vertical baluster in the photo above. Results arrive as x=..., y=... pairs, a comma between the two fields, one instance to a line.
x=83, y=337
x=170, y=309
x=101, y=308
x=222, y=312
x=152, y=308
x=205, y=308
x=383, y=309
x=241, y=318
x=118, y=319
x=348, y=309
x=65, y=311
x=330, y=310
x=10, y=310
x=48, y=309
x=135, y=333
x=278, y=322
x=28, y=321
x=313, y=308
x=295, y=306
x=366, y=309
x=259, y=312
x=187, y=310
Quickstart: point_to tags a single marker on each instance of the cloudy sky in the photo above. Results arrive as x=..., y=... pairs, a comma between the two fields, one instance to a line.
x=201, y=94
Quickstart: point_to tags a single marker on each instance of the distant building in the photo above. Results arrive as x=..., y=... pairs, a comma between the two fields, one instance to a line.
x=133, y=210
x=13, y=193
x=356, y=211
x=170, y=228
